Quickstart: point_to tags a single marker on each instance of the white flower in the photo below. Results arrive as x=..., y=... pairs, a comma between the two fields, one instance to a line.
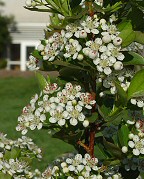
x=90, y=25
x=40, y=47
x=70, y=30
x=136, y=152
x=72, y=49
x=131, y=135
x=1, y=155
x=130, y=122
x=32, y=63
x=139, y=101
x=73, y=121
x=106, y=38
x=131, y=144
x=65, y=170
x=63, y=164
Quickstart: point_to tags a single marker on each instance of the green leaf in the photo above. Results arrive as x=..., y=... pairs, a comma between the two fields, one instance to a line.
x=14, y=153
x=99, y=152
x=52, y=4
x=123, y=135
x=112, y=149
x=41, y=80
x=113, y=8
x=54, y=20
x=132, y=58
x=139, y=37
x=136, y=88
x=5, y=176
x=66, y=64
x=37, y=55
x=121, y=95
x=118, y=117
x=68, y=72
x=127, y=34
x=93, y=117
x=68, y=136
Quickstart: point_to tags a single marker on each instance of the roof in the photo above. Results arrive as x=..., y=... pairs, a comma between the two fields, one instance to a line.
x=27, y=31
x=22, y=15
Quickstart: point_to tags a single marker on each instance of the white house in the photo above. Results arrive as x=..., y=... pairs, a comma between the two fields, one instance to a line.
x=29, y=30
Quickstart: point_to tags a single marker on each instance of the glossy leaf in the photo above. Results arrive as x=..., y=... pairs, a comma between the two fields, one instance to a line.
x=99, y=152
x=117, y=117
x=126, y=33
x=139, y=37
x=121, y=95
x=36, y=54
x=66, y=64
x=112, y=149
x=132, y=58
x=123, y=135
x=113, y=8
x=93, y=118
x=136, y=87
x=41, y=80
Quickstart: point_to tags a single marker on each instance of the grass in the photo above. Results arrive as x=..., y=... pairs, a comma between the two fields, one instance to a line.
x=15, y=93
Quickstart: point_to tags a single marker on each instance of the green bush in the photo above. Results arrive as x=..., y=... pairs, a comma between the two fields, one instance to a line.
x=3, y=64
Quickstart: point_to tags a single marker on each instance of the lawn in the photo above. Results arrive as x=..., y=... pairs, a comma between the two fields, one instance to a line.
x=15, y=93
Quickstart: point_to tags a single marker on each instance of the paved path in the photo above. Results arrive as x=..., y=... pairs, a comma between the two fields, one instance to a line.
x=16, y=73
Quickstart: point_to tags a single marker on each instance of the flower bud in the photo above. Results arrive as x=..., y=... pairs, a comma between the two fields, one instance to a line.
x=82, y=34
x=86, y=123
x=34, y=4
x=80, y=57
x=118, y=65
x=28, y=3
x=124, y=149
x=117, y=41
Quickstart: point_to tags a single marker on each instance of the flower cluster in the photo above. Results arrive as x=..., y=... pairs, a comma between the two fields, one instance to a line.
x=90, y=38
x=67, y=107
x=123, y=78
x=12, y=166
x=16, y=166
x=79, y=167
x=23, y=143
x=137, y=144
x=32, y=64
x=136, y=140
x=138, y=101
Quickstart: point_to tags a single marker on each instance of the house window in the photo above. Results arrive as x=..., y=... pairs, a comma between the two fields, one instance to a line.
x=29, y=50
x=15, y=56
